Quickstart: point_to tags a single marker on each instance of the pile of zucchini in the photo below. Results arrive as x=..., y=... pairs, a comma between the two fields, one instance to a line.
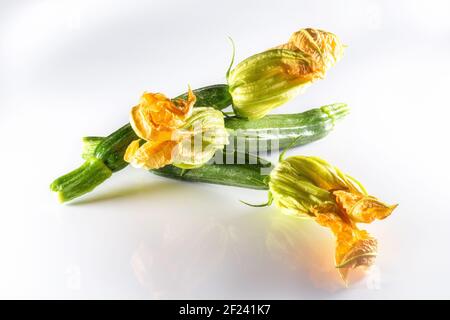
x=104, y=155
x=304, y=186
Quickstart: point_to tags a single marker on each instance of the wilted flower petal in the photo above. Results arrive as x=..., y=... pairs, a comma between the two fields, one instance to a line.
x=151, y=155
x=311, y=187
x=354, y=247
x=175, y=134
x=200, y=137
x=271, y=78
x=324, y=47
x=362, y=208
x=156, y=113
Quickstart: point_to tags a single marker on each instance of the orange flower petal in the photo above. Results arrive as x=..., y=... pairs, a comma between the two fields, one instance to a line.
x=131, y=150
x=156, y=112
x=139, y=124
x=324, y=47
x=164, y=134
x=354, y=247
x=184, y=107
x=158, y=120
x=362, y=208
x=360, y=252
x=151, y=155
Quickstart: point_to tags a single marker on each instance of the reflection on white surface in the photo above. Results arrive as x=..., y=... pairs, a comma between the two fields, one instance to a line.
x=301, y=247
x=70, y=73
x=259, y=247
x=164, y=269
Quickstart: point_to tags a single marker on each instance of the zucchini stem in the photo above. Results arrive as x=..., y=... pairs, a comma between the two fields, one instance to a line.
x=82, y=180
x=336, y=111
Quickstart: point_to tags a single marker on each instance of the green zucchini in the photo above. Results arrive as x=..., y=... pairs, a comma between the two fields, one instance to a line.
x=105, y=155
x=113, y=147
x=215, y=96
x=271, y=133
x=274, y=132
x=232, y=169
x=89, y=145
x=251, y=173
x=81, y=180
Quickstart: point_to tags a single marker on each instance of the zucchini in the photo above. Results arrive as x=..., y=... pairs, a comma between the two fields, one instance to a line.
x=81, y=180
x=233, y=169
x=89, y=145
x=273, y=132
x=251, y=174
x=215, y=96
x=105, y=155
x=276, y=132
x=112, y=148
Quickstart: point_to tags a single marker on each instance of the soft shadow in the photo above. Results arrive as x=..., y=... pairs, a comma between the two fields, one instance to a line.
x=130, y=191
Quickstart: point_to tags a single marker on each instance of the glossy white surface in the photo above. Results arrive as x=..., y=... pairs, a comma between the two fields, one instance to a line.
x=74, y=68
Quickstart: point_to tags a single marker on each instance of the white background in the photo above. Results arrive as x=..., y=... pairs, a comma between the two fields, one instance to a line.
x=74, y=68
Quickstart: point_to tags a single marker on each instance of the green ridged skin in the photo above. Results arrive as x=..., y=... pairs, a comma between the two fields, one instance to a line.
x=105, y=155
x=81, y=180
x=89, y=145
x=273, y=132
x=251, y=174
x=113, y=147
x=277, y=132
x=215, y=96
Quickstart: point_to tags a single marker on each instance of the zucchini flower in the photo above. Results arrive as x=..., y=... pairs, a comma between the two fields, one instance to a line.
x=174, y=132
x=271, y=78
x=310, y=187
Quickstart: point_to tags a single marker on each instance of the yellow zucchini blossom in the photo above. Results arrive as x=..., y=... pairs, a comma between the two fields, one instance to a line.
x=173, y=132
x=312, y=188
x=271, y=78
